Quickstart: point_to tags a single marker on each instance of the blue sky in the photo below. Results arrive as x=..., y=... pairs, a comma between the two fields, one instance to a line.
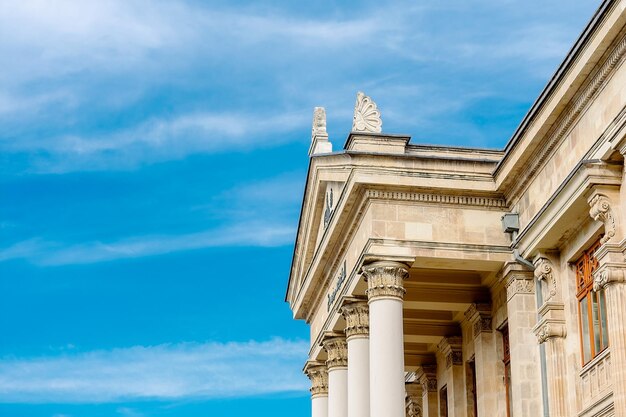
x=152, y=161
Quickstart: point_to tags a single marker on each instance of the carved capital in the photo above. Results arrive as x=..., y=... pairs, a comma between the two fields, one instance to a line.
x=608, y=275
x=548, y=329
x=366, y=115
x=385, y=279
x=479, y=315
x=452, y=349
x=318, y=374
x=602, y=210
x=427, y=376
x=519, y=283
x=337, y=350
x=357, y=319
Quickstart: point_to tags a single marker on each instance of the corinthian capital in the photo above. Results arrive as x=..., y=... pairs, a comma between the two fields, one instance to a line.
x=337, y=350
x=602, y=210
x=356, y=314
x=318, y=374
x=385, y=279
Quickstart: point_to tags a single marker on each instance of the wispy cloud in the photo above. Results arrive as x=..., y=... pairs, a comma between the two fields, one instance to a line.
x=169, y=371
x=45, y=252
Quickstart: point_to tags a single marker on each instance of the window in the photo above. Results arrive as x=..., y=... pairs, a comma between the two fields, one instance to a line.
x=507, y=367
x=472, y=396
x=443, y=401
x=594, y=337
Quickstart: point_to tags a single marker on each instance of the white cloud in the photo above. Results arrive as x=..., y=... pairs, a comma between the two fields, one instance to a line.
x=253, y=233
x=169, y=371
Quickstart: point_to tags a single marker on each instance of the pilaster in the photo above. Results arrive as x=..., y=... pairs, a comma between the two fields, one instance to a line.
x=451, y=349
x=525, y=358
x=427, y=377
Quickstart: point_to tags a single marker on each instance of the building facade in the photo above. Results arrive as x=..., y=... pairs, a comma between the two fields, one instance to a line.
x=446, y=281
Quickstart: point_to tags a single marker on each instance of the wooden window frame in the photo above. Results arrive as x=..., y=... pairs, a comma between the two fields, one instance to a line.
x=506, y=349
x=585, y=266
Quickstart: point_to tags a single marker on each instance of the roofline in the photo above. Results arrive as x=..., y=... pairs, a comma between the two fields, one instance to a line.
x=573, y=53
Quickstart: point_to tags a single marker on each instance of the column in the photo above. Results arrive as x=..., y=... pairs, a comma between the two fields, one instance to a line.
x=525, y=359
x=318, y=374
x=385, y=297
x=451, y=349
x=337, y=364
x=427, y=376
x=488, y=364
x=356, y=313
x=551, y=330
x=612, y=278
x=413, y=405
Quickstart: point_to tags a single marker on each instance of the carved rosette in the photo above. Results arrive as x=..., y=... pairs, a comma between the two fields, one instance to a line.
x=337, y=351
x=318, y=374
x=607, y=276
x=479, y=315
x=366, y=115
x=548, y=329
x=519, y=283
x=544, y=272
x=601, y=210
x=385, y=279
x=452, y=349
x=357, y=319
x=319, y=123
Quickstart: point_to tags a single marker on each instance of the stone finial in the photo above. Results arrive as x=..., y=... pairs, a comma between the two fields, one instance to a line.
x=366, y=115
x=319, y=136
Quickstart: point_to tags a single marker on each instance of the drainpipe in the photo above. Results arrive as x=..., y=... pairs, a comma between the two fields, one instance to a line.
x=510, y=224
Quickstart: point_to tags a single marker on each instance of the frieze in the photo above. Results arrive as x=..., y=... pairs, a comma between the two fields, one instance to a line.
x=519, y=283
x=340, y=280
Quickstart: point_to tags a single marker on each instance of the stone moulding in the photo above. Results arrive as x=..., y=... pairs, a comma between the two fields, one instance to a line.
x=566, y=121
x=493, y=202
x=366, y=115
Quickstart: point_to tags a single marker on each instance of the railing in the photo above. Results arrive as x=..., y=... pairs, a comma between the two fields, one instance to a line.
x=596, y=379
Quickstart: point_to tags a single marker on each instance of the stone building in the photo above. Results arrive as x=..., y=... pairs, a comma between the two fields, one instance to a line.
x=446, y=281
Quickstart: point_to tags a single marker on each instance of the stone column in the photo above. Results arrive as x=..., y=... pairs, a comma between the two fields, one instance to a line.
x=356, y=314
x=551, y=330
x=525, y=358
x=318, y=374
x=427, y=376
x=385, y=297
x=612, y=278
x=451, y=349
x=488, y=367
x=413, y=405
x=337, y=364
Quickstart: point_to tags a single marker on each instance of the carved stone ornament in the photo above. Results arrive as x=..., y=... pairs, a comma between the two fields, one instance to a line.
x=452, y=349
x=519, y=283
x=385, y=279
x=479, y=315
x=337, y=351
x=357, y=319
x=318, y=374
x=319, y=123
x=543, y=272
x=428, y=378
x=366, y=115
x=607, y=276
x=413, y=407
x=601, y=211
x=550, y=329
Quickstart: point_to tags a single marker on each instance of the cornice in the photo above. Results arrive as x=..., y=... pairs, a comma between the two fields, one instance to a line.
x=438, y=198
x=565, y=121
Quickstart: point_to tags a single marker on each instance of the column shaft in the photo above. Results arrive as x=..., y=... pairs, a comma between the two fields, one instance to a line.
x=385, y=294
x=337, y=392
x=557, y=383
x=616, y=308
x=319, y=406
x=356, y=314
